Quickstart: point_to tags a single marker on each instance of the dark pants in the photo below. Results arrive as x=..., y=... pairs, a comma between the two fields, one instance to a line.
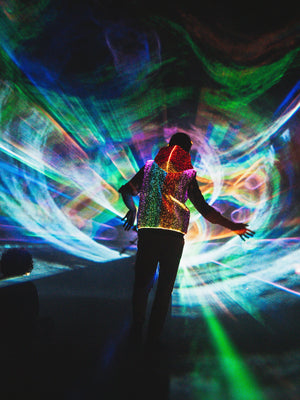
x=155, y=246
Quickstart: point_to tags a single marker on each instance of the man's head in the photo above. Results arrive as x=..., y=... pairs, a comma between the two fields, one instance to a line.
x=181, y=139
x=16, y=261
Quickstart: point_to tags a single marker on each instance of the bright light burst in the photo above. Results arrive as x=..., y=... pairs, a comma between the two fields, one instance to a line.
x=69, y=141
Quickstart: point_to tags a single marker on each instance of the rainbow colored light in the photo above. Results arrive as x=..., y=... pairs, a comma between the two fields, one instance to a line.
x=65, y=151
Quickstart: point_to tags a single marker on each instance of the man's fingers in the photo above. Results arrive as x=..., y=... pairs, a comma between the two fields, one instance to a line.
x=127, y=225
x=247, y=234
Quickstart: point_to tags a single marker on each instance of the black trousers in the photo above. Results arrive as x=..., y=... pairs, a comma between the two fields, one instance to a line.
x=155, y=246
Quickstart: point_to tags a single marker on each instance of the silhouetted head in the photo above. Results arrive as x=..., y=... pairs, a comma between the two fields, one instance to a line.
x=16, y=262
x=181, y=139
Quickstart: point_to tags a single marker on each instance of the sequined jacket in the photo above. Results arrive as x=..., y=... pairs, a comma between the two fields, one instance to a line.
x=164, y=191
x=164, y=184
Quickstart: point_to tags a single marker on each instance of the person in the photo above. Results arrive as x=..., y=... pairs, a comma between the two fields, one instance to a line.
x=18, y=315
x=19, y=300
x=16, y=262
x=164, y=185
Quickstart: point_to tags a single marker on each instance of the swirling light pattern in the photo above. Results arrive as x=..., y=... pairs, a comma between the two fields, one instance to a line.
x=71, y=135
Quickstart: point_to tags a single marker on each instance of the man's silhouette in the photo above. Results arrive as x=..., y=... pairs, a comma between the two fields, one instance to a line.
x=164, y=184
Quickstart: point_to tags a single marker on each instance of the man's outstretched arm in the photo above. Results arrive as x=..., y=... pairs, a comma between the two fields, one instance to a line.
x=213, y=216
x=127, y=191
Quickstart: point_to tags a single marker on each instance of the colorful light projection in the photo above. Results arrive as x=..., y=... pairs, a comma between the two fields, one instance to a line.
x=240, y=382
x=67, y=145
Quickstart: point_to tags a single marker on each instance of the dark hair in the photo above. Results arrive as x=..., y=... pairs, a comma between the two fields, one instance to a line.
x=16, y=262
x=181, y=139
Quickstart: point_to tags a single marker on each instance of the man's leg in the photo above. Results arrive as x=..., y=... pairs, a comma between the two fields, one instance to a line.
x=145, y=268
x=169, y=260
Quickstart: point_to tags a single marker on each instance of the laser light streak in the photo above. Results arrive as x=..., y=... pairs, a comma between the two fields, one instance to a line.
x=240, y=381
x=63, y=196
x=68, y=144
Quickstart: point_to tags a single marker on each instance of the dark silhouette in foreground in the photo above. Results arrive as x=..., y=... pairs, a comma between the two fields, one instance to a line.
x=19, y=308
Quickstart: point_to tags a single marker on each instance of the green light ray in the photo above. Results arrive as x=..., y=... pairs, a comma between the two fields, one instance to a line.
x=242, y=384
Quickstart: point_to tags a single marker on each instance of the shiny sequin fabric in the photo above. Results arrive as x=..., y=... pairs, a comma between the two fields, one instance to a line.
x=165, y=190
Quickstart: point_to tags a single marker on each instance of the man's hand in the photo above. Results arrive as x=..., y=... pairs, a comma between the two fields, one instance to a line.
x=129, y=220
x=242, y=230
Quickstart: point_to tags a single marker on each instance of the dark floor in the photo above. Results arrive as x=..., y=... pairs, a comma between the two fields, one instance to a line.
x=78, y=348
